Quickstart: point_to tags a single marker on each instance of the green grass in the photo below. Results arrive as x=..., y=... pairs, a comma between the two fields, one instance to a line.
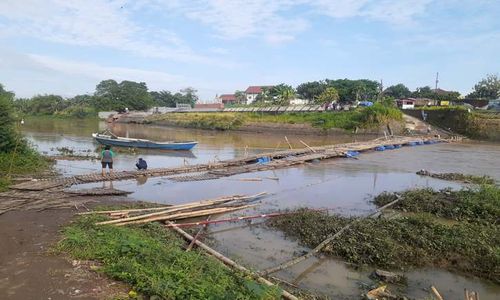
x=414, y=241
x=218, y=121
x=367, y=117
x=151, y=260
x=481, y=204
x=28, y=162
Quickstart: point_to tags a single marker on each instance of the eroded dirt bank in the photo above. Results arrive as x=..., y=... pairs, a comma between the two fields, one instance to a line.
x=29, y=271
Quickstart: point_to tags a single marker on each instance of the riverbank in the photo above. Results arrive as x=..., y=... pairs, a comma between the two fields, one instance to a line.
x=483, y=125
x=151, y=259
x=367, y=120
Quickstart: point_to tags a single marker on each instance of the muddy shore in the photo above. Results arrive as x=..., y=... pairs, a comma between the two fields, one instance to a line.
x=28, y=269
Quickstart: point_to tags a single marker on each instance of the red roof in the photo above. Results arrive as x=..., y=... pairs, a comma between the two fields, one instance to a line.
x=228, y=97
x=256, y=89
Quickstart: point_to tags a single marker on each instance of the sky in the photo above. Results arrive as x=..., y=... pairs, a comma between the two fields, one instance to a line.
x=67, y=47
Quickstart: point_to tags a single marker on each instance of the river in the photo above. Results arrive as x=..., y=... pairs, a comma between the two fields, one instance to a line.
x=345, y=186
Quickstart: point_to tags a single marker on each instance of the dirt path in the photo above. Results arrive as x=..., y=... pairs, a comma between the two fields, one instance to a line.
x=29, y=271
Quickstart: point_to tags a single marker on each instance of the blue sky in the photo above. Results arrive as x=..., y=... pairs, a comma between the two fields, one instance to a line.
x=67, y=46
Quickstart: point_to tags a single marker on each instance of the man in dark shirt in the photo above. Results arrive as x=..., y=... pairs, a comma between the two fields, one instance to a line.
x=141, y=164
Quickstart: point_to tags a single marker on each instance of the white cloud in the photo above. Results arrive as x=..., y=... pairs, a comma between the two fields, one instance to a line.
x=99, y=72
x=281, y=21
x=239, y=18
x=30, y=74
x=91, y=23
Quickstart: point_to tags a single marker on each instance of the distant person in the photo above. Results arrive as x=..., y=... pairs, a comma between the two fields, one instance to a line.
x=141, y=164
x=107, y=160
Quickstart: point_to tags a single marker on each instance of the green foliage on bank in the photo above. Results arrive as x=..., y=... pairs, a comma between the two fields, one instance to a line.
x=366, y=117
x=16, y=155
x=109, y=95
x=217, y=121
x=150, y=258
x=418, y=238
x=480, y=204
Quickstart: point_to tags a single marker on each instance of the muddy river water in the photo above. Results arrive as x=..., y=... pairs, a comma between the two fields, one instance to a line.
x=345, y=186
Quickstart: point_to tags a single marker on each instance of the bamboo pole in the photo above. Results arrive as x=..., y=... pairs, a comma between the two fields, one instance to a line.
x=185, y=215
x=245, y=179
x=436, y=293
x=228, y=261
x=318, y=248
x=181, y=207
x=289, y=145
x=308, y=147
x=190, y=246
x=242, y=218
x=125, y=210
x=167, y=207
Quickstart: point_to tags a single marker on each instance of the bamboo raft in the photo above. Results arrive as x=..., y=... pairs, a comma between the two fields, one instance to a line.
x=207, y=171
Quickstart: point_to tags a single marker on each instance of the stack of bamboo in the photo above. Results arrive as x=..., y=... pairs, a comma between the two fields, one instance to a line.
x=178, y=212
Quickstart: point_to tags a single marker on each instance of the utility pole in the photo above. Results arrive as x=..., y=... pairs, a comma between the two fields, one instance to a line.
x=437, y=81
x=380, y=94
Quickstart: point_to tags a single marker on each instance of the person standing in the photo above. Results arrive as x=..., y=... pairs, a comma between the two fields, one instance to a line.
x=107, y=160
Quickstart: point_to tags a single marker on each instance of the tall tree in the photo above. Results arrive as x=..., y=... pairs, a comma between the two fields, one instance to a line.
x=329, y=95
x=311, y=90
x=281, y=94
x=163, y=98
x=487, y=88
x=189, y=96
x=240, y=97
x=8, y=135
x=117, y=96
x=397, y=91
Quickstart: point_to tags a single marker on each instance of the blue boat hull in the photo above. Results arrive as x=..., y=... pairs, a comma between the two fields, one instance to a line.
x=146, y=144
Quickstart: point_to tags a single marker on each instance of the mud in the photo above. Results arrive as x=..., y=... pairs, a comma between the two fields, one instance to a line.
x=28, y=269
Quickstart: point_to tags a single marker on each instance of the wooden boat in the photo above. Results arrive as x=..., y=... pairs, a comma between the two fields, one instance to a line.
x=113, y=140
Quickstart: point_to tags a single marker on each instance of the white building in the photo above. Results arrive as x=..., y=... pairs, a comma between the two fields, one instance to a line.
x=252, y=92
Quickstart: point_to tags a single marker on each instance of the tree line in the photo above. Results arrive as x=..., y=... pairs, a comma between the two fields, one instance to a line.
x=347, y=90
x=108, y=95
x=112, y=95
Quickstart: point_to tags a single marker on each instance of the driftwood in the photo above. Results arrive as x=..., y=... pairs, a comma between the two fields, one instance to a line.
x=318, y=248
x=228, y=261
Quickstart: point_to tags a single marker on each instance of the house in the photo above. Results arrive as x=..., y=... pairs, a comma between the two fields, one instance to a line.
x=253, y=91
x=407, y=103
x=227, y=99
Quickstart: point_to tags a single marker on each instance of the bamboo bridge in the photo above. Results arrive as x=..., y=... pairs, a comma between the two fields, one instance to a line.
x=207, y=171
